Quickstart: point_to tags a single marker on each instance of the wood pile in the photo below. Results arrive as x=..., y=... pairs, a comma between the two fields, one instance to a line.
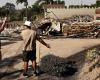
x=82, y=31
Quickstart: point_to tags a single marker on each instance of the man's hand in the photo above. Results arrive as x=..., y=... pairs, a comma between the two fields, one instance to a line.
x=3, y=24
x=48, y=46
x=5, y=19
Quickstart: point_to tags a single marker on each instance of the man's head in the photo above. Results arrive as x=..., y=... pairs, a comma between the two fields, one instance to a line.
x=28, y=24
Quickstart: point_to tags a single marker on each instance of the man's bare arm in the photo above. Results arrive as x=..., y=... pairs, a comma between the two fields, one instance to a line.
x=42, y=41
x=3, y=24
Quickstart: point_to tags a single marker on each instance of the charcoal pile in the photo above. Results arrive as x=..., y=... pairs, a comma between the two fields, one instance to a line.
x=57, y=66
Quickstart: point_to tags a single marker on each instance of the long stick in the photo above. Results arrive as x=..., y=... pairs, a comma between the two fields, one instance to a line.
x=56, y=16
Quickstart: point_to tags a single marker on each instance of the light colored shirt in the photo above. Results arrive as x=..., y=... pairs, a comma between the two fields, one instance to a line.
x=29, y=39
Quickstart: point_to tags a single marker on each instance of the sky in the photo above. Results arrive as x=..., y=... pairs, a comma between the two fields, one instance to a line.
x=68, y=2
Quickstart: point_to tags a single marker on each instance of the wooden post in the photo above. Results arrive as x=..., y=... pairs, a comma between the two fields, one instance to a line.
x=38, y=53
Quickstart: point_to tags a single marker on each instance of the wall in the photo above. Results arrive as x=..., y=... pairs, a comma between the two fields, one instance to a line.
x=64, y=13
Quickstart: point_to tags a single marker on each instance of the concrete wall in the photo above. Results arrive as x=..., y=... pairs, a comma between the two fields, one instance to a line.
x=64, y=13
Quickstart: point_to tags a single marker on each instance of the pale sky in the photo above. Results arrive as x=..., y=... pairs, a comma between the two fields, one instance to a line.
x=68, y=2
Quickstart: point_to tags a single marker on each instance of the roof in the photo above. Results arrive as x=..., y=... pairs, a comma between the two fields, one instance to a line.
x=54, y=6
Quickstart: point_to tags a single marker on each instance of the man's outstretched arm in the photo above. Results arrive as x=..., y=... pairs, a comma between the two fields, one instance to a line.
x=42, y=41
x=3, y=24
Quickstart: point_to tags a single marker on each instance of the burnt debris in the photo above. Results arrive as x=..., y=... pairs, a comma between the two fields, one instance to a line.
x=57, y=66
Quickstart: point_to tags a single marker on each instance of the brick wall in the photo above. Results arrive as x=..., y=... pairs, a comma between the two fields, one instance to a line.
x=64, y=13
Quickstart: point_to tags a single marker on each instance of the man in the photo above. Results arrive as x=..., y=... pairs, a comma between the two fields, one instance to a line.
x=29, y=37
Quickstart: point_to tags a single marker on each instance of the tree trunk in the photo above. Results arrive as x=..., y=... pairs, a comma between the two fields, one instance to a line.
x=26, y=12
x=26, y=5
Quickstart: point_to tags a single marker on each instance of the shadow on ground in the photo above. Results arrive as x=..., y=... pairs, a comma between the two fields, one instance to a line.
x=7, y=43
x=8, y=72
x=79, y=58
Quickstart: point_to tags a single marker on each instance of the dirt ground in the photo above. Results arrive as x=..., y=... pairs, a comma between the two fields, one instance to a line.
x=11, y=65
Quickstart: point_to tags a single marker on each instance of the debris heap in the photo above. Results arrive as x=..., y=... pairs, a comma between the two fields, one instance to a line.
x=57, y=66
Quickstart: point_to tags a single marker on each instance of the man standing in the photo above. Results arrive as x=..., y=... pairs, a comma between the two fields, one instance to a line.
x=29, y=37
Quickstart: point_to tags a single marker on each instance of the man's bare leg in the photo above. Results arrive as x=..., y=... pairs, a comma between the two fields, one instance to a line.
x=25, y=67
x=34, y=65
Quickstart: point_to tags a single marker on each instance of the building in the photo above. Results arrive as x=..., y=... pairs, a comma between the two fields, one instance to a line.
x=59, y=11
x=48, y=11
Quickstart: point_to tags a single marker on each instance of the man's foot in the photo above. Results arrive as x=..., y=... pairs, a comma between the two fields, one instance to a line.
x=36, y=73
x=25, y=75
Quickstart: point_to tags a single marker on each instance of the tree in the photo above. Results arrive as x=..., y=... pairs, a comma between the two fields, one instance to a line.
x=58, y=2
x=36, y=9
x=21, y=13
x=97, y=3
x=25, y=4
x=38, y=6
x=44, y=1
x=50, y=2
x=93, y=5
x=9, y=8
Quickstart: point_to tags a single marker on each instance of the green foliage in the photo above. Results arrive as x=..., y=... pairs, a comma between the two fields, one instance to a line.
x=93, y=5
x=20, y=14
x=98, y=3
x=7, y=10
x=40, y=2
x=36, y=9
x=25, y=4
x=21, y=1
x=92, y=54
x=82, y=6
x=43, y=1
x=58, y=2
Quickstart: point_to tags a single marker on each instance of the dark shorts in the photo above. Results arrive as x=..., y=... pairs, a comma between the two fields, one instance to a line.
x=29, y=55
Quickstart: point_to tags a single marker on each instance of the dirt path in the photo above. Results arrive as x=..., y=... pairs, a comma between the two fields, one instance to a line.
x=12, y=64
x=67, y=47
